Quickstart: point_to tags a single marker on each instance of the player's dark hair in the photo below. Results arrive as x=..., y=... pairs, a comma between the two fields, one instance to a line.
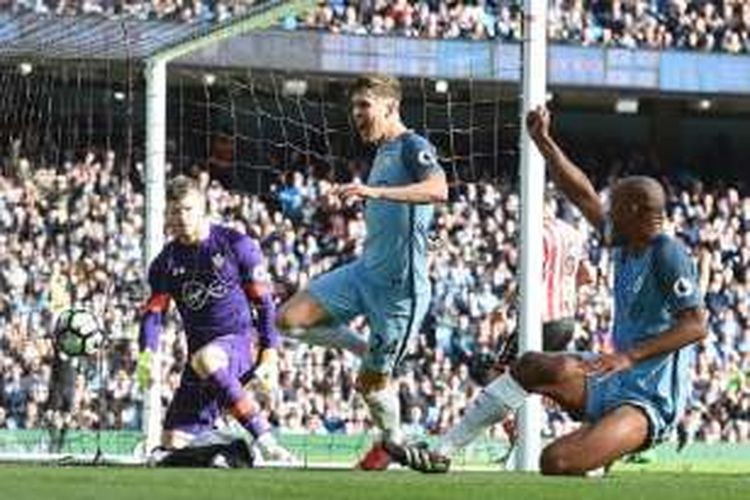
x=648, y=192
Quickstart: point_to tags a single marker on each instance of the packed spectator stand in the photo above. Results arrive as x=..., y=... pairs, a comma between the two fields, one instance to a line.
x=706, y=26
x=74, y=233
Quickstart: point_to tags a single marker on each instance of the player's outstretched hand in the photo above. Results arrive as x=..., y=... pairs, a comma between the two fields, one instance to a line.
x=355, y=191
x=537, y=123
x=609, y=364
x=143, y=369
x=267, y=371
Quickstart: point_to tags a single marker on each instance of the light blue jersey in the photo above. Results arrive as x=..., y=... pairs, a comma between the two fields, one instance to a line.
x=389, y=282
x=651, y=287
x=395, y=249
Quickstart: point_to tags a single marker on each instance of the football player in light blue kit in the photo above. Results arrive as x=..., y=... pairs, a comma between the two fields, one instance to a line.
x=388, y=284
x=628, y=399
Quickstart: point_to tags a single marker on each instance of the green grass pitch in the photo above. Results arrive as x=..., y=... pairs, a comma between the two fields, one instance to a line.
x=22, y=482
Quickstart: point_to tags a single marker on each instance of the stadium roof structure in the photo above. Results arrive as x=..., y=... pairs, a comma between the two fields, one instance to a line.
x=88, y=37
x=118, y=38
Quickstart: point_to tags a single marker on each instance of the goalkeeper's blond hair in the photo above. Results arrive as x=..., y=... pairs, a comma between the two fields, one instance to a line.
x=182, y=186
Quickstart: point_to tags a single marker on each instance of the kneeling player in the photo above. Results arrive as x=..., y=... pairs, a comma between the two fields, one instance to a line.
x=627, y=400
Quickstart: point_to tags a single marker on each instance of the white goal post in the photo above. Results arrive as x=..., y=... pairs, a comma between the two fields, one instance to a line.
x=534, y=91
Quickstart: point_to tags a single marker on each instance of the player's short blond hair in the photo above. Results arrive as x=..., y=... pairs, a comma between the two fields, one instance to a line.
x=181, y=186
x=378, y=85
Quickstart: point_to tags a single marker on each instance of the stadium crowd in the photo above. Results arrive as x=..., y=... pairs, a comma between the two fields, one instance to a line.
x=73, y=234
x=682, y=24
x=191, y=11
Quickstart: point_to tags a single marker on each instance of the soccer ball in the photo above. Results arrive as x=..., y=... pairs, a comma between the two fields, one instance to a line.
x=77, y=332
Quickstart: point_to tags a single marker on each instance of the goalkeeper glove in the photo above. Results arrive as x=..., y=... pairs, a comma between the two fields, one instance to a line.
x=143, y=369
x=267, y=371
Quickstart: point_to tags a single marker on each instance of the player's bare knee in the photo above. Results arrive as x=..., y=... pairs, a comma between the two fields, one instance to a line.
x=555, y=461
x=368, y=382
x=536, y=369
x=527, y=369
x=551, y=462
x=208, y=360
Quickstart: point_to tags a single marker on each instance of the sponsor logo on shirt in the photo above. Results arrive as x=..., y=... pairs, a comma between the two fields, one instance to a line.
x=218, y=261
x=196, y=294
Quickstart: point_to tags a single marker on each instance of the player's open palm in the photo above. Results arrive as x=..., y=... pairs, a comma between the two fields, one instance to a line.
x=143, y=369
x=267, y=371
x=609, y=364
x=354, y=191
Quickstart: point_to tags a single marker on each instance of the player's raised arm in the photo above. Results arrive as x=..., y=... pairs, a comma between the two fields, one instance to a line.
x=565, y=174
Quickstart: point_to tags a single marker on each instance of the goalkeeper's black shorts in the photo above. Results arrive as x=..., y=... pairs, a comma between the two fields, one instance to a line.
x=234, y=455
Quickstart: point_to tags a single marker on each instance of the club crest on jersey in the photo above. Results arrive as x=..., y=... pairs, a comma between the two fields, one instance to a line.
x=682, y=287
x=638, y=284
x=218, y=261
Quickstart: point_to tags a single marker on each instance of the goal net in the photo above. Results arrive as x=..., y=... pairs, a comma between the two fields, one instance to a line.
x=266, y=144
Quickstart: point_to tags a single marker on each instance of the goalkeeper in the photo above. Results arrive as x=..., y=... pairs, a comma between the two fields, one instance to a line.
x=213, y=273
